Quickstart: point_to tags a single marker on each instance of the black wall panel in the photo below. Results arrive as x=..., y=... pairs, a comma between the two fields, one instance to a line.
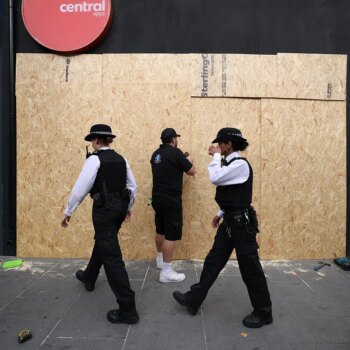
x=231, y=26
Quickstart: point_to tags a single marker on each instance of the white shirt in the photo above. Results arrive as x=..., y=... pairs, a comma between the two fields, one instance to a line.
x=235, y=173
x=87, y=178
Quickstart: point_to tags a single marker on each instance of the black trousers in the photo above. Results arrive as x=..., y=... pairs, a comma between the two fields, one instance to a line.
x=106, y=251
x=243, y=239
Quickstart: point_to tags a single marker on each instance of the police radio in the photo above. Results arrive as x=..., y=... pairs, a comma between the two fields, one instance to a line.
x=88, y=154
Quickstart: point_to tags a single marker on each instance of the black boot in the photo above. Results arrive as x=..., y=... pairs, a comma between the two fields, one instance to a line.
x=88, y=285
x=182, y=300
x=120, y=316
x=254, y=320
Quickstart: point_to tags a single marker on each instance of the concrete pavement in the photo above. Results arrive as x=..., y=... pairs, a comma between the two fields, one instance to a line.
x=311, y=309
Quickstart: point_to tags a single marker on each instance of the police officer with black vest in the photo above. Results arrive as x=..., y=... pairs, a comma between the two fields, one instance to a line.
x=233, y=177
x=107, y=176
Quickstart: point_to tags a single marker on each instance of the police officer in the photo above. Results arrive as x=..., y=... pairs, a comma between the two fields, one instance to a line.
x=168, y=165
x=234, y=181
x=107, y=176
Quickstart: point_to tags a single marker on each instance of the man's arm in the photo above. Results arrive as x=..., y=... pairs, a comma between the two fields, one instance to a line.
x=192, y=170
x=217, y=218
x=132, y=187
x=237, y=172
x=82, y=187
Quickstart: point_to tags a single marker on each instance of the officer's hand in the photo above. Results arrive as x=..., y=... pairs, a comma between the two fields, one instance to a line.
x=65, y=221
x=214, y=149
x=127, y=217
x=216, y=221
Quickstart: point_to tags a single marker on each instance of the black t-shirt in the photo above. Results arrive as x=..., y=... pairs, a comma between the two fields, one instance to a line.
x=168, y=165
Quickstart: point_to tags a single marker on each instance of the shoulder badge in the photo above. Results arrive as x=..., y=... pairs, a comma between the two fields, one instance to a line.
x=157, y=159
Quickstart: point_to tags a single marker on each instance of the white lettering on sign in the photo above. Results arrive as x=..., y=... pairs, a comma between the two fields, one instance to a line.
x=84, y=7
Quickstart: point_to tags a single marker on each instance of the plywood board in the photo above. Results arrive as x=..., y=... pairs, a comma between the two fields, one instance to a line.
x=52, y=121
x=229, y=75
x=50, y=68
x=147, y=68
x=303, y=179
x=311, y=76
x=299, y=76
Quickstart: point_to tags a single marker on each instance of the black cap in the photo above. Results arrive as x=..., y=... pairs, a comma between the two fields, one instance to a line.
x=99, y=130
x=226, y=134
x=169, y=133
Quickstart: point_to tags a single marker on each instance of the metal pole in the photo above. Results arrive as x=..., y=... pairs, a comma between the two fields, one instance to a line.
x=10, y=248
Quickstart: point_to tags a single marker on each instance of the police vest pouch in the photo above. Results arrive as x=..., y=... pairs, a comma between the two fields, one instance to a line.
x=125, y=194
x=232, y=217
x=247, y=216
x=98, y=200
x=253, y=218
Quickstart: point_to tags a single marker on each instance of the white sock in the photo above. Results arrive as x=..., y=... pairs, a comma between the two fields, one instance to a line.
x=166, y=267
x=160, y=255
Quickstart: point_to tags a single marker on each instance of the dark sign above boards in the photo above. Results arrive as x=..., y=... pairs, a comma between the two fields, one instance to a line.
x=67, y=26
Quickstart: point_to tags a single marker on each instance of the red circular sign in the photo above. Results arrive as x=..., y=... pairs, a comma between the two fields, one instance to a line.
x=67, y=26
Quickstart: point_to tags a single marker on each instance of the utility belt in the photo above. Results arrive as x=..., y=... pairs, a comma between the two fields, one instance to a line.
x=102, y=199
x=245, y=216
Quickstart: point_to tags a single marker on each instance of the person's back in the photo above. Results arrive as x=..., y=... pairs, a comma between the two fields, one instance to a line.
x=112, y=171
x=168, y=165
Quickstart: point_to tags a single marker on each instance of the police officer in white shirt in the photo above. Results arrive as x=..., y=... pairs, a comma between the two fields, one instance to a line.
x=107, y=176
x=233, y=177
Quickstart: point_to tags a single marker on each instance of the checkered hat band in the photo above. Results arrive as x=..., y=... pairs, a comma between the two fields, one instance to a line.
x=232, y=134
x=101, y=132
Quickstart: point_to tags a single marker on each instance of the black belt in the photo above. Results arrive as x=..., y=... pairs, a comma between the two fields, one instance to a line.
x=114, y=194
x=247, y=215
x=236, y=213
x=109, y=194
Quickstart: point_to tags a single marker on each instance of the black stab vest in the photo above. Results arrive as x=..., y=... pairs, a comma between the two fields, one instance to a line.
x=112, y=170
x=235, y=197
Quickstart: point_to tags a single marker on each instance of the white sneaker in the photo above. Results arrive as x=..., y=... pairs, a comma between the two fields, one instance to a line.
x=159, y=262
x=171, y=276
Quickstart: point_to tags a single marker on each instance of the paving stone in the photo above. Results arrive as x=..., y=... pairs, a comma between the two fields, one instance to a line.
x=164, y=331
x=87, y=317
x=83, y=343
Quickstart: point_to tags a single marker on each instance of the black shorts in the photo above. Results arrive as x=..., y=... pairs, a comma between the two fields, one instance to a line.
x=168, y=217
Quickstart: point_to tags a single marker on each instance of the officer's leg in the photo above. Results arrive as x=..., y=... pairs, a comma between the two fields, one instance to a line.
x=117, y=275
x=213, y=264
x=158, y=207
x=95, y=263
x=93, y=268
x=254, y=278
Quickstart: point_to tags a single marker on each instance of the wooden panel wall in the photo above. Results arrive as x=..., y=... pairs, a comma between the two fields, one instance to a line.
x=303, y=173
x=297, y=146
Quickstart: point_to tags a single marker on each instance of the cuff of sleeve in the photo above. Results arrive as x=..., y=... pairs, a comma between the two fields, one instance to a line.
x=220, y=213
x=68, y=213
x=217, y=157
